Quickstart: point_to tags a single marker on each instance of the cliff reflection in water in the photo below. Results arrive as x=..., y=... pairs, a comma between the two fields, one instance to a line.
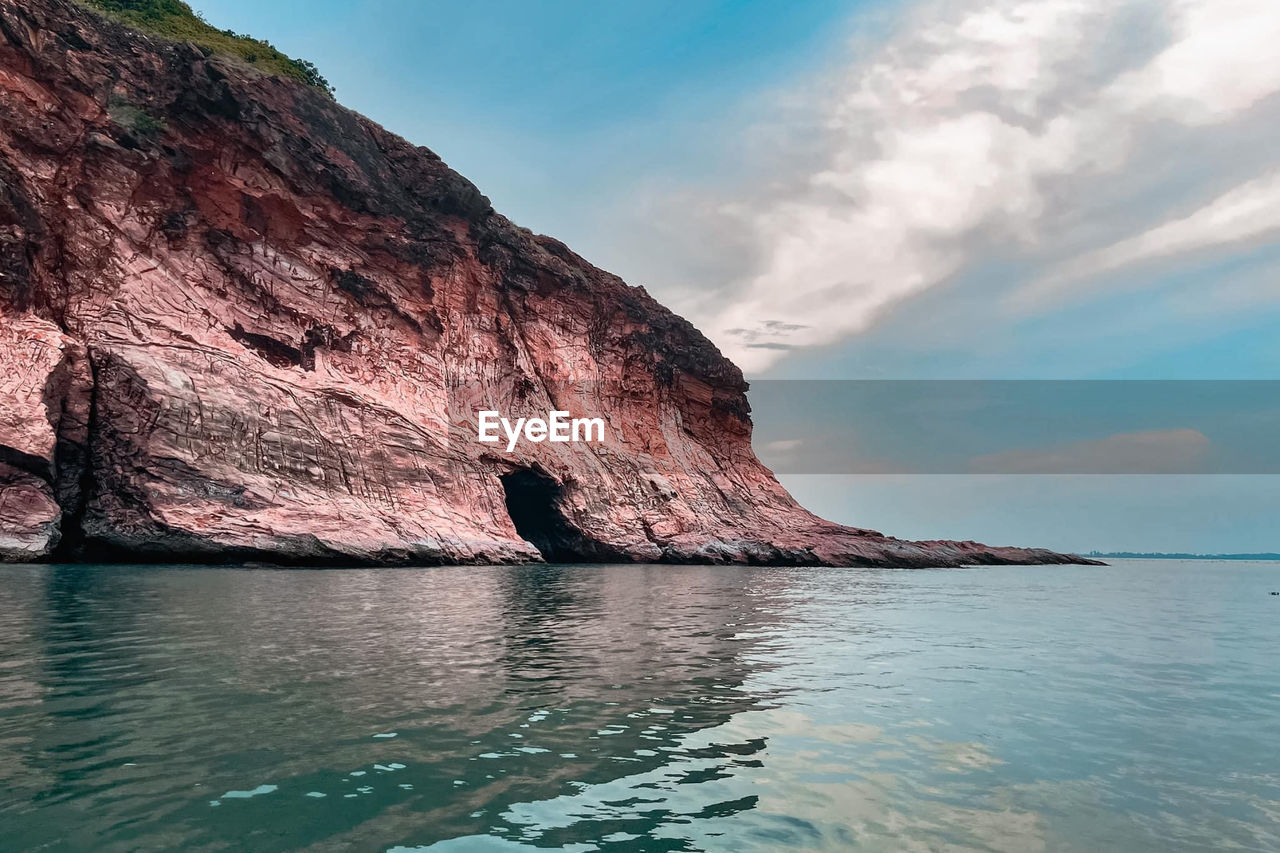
x=275, y=710
x=637, y=708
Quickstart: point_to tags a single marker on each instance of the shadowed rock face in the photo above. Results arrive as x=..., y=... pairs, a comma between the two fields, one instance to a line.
x=241, y=322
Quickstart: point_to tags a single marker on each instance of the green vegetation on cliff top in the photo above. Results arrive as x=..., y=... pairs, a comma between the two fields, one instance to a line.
x=176, y=20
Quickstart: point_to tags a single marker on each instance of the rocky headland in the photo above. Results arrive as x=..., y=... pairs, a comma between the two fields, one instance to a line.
x=240, y=322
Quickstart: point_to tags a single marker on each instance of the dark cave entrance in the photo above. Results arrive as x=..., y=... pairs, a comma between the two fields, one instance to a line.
x=533, y=502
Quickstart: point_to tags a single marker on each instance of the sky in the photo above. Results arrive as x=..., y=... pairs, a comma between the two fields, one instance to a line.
x=883, y=189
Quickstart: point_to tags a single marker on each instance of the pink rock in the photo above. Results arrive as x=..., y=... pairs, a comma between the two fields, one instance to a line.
x=44, y=408
x=261, y=327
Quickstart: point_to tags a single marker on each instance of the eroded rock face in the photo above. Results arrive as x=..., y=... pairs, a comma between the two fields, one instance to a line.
x=45, y=396
x=242, y=322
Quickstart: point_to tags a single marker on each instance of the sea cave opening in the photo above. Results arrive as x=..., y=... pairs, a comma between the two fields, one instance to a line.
x=533, y=502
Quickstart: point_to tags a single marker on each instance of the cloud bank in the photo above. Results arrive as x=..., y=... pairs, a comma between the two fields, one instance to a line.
x=1085, y=136
x=1170, y=451
x=1247, y=212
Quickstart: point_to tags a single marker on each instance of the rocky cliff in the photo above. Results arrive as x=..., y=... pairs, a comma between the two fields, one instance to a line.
x=241, y=322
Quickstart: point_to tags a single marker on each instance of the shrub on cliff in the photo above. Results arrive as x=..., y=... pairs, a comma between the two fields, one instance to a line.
x=135, y=119
x=176, y=20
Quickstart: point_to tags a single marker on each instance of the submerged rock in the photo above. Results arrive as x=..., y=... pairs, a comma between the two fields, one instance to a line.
x=241, y=322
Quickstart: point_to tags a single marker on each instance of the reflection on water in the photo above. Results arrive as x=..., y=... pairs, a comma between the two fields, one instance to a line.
x=639, y=708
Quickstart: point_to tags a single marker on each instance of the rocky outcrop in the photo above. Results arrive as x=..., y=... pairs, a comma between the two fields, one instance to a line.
x=44, y=413
x=241, y=322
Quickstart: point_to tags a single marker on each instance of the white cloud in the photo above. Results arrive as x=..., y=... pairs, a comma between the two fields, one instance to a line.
x=1248, y=212
x=969, y=133
x=1221, y=63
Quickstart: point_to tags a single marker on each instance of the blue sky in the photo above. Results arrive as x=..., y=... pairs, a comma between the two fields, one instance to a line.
x=892, y=189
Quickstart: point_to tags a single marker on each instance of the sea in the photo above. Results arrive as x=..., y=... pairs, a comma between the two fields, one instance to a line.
x=1128, y=707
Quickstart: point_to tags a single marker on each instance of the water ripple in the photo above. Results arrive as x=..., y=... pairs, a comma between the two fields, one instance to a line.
x=639, y=708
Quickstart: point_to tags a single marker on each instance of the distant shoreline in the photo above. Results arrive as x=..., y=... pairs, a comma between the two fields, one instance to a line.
x=1134, y=555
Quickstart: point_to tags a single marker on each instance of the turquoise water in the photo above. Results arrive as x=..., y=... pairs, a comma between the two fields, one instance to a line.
x=1133, y=707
